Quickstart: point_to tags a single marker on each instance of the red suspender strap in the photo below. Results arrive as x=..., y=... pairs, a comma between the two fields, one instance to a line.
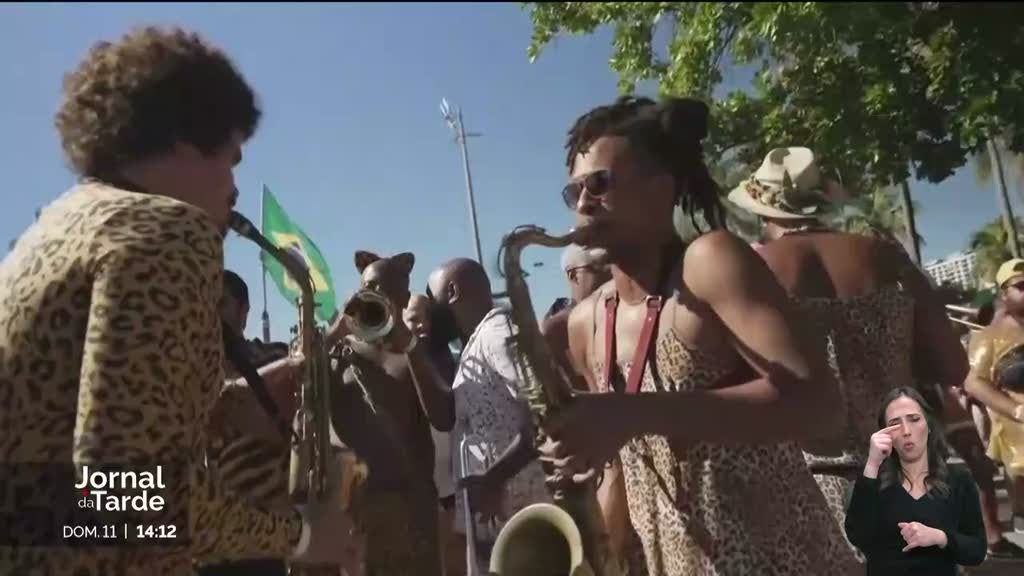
x=610, y=304
x=643, y=346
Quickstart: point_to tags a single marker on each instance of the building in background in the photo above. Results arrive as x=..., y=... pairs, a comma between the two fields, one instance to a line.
x=957, y=269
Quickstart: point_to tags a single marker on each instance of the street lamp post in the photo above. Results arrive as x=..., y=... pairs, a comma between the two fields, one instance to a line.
x=454, y=120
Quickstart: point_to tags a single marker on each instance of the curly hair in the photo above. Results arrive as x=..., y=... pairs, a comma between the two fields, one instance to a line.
x=137, y=97
x=668, y=134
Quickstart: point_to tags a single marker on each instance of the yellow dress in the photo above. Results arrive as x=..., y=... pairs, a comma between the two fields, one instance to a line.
x=1006, y=440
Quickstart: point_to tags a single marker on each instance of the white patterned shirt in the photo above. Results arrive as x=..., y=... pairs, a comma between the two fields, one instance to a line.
x=489, y=412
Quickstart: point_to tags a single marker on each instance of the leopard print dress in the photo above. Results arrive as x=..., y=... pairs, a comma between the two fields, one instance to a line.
x=722, y=510
x=869, y=346
x=111, y=353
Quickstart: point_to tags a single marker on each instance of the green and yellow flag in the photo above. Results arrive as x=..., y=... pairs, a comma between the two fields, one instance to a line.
x=279, y=229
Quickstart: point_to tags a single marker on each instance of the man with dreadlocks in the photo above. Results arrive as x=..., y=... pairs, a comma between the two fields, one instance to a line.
x=709, y=381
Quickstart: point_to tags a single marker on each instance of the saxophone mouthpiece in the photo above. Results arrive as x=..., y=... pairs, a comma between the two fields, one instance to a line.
x=241, y=224
x=583, y=235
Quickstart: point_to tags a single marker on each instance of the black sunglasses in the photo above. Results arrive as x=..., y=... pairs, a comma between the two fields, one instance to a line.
x=596, y=183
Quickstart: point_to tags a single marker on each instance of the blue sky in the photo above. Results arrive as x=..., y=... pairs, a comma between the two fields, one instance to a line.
x=352, y=141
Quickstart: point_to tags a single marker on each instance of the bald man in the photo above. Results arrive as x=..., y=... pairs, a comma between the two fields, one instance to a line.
x=484, y=408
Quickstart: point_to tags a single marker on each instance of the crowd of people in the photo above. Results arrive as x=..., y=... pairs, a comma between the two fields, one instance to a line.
x=750, y=409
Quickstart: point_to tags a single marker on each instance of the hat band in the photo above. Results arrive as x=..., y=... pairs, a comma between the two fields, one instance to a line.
x=778, y=197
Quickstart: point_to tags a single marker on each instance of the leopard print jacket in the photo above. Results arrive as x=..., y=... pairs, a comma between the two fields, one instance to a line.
x=111, y=352
x=250, y=466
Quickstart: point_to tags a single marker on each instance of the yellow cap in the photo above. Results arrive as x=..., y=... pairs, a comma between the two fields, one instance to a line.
x=1009, y=270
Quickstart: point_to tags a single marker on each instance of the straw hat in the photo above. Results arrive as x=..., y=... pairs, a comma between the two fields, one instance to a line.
x=787, y=186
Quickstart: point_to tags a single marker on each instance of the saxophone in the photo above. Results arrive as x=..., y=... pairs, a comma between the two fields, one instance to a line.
x=577, y=518
x=311, y=442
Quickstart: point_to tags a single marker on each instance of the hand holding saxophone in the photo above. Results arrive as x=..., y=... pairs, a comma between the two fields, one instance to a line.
x=329, y=535
x=283, y=379
x=585, y=435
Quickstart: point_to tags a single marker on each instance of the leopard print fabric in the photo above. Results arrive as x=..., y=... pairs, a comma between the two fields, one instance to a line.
x=111, y=352
x=251, y=467
x=722, y=510
x=869, y=343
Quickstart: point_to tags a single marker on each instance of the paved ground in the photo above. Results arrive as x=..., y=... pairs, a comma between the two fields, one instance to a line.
x=994, y=567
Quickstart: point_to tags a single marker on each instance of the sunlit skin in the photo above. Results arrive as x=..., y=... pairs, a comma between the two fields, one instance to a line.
x=187, y=174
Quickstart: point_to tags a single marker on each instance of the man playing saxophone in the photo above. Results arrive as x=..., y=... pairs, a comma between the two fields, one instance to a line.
x=710, y=383
x=122, y=276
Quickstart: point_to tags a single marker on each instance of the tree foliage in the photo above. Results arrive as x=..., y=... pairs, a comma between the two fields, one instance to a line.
x=880, y=91
x=875, y=214
x=991, y=248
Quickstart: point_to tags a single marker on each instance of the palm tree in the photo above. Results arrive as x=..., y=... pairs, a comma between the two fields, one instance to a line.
x=991, y=248
x=877, y=214
x=992, y=164
x=1013, y=167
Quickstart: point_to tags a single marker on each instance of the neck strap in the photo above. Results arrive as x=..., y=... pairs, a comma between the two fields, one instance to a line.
x=654, y=304
x=643, y=346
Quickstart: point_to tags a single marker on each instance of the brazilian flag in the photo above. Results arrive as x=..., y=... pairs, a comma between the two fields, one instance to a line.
x=280, y=230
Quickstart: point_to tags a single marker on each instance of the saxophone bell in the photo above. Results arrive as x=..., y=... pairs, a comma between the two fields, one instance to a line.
x=540, y=539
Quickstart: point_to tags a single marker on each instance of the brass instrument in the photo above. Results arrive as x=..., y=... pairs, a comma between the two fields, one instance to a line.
x=971, y=313
x=570, y=538
x=313, y=465
x=311, y=445
x=369, y=315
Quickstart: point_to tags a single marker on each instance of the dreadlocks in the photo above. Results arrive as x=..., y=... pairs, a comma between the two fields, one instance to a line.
x=668, y=134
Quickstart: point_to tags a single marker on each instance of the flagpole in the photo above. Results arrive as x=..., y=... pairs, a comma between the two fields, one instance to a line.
x=263, y=265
